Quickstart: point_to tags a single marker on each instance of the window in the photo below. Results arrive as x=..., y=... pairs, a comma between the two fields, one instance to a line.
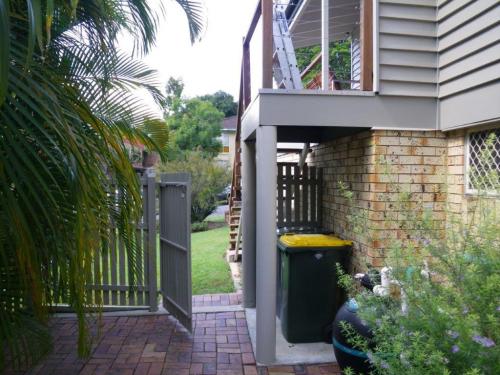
x=225, y=142
x=483, y=162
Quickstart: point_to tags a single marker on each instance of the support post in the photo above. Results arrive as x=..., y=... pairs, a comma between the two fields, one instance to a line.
x=248, y=223
x=366, y=37
x=267, y=44
x=325, y=45
x=150, y=212
x=267, y=171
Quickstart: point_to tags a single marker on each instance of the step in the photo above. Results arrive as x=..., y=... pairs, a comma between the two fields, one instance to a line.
x=232, y=257
x=234, y=218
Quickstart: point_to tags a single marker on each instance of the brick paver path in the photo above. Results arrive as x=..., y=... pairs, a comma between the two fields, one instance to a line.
x=218, y=299
x=158, y=344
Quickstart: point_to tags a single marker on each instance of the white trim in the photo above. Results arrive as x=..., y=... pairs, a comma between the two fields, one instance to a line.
x=325, y=45
x=376, y=46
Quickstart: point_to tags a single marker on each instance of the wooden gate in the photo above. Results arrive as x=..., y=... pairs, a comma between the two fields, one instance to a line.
x=175, y=246
x=299, y=196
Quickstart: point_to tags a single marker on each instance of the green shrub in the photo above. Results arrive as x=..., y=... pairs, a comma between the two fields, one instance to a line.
x=208, y=179
x=450, y=280
x=199, y=226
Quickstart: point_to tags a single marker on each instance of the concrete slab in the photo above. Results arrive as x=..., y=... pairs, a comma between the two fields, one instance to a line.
x=290, y=354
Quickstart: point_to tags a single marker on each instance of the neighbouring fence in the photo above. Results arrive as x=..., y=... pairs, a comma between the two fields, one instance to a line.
x=123, y=283
x=299, y=196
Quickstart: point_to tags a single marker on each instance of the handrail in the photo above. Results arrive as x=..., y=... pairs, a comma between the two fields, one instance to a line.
x=315, y=61
x=253, y=24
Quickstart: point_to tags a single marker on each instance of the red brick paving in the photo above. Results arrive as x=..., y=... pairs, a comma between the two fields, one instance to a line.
x=157, y=345
x=218, y=299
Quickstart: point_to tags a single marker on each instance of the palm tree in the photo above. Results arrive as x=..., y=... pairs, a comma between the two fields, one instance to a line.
x=66, y=103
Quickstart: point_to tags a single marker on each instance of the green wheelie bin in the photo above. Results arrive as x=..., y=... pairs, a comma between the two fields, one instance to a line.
x=308, y=293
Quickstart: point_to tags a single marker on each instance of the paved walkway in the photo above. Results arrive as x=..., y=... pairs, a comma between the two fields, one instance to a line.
x=218, y=299
x=157, y=344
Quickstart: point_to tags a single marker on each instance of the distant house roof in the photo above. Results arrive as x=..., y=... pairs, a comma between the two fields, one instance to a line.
x=230, y=123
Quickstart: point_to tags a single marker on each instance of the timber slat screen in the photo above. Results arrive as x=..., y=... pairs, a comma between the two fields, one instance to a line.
x=299, y=196
x=120, y=282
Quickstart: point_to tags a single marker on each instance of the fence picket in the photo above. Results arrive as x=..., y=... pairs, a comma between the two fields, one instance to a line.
x=305, y=196
x=313, y=187
x=105, y=270
x=280, y=195
x=299, y=196
x=114, y=264
x=320, y=196
x=97, y=277
x=296, y=195
x=121, y=269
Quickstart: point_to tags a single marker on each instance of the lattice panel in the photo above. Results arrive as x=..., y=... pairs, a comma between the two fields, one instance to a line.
x=484, y=161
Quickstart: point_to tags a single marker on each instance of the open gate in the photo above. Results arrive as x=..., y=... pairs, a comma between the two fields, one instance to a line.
x=175, y=245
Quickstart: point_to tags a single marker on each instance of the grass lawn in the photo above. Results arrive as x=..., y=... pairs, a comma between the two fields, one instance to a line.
x=215, y=218
x=210, y=271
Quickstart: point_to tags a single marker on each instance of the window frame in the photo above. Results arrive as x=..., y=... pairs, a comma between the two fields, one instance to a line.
x=467, y=143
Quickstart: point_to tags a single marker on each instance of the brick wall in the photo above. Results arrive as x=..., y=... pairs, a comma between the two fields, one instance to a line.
x=378, y=166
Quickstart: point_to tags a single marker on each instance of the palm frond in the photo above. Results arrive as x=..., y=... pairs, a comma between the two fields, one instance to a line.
x=195, y=15
x=4, y=47
x=68, y=99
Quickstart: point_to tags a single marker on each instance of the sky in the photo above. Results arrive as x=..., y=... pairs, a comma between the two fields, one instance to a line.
x=211, y=64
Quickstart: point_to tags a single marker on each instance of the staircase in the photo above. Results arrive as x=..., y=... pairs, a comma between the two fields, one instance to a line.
x=234, y=251
x=286, y=75
x=233, y=218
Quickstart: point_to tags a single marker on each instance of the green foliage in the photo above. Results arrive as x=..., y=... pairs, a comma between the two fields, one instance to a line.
x=199, y=226
x=173, y=102
x=223, y=101
x=67, y=103
x=449, y=282
x=197, y=127
x=208, y=179
x=195, y=124
x=157, y=131
x=340, y=60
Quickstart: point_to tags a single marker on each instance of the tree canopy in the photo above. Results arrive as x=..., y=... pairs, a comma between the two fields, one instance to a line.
x=194, y=123
x=223, y=101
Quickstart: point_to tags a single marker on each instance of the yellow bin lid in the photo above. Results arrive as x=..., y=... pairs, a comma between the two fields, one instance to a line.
x=313, y=240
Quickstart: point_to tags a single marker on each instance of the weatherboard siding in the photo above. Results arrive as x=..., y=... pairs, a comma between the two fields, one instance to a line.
x=408, y=48
x=469, y=62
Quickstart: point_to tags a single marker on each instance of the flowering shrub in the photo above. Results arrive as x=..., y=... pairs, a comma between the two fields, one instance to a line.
x=449, y=278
